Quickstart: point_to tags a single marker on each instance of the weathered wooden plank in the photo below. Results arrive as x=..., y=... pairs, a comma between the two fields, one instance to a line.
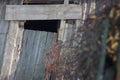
x=32, y=61
x=2, y=45
x=61, y=30
x=3, y=23
x=6, y=56
x=3, y=31
x=42, y=12
x=9, y=50
x=30, y=55
x=17, y=52
x=33, y=56
x=22, y=61
x=39, y=71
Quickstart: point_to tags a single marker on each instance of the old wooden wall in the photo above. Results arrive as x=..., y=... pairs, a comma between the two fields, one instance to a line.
x=5, y=36
x=35, y=46
x=10, y=48
x=70, y=44
x=3, y=31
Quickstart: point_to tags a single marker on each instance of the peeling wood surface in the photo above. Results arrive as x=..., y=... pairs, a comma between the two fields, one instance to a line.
x=42, y=12
x=32, y=61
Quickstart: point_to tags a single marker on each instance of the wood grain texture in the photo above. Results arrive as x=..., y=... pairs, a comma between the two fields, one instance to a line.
x=32, y=61
x=42, y=12
x=2, y=45
x=39, y=71
x=17, y=52
x=21, y=64
x=9, y=50
x=7, y=39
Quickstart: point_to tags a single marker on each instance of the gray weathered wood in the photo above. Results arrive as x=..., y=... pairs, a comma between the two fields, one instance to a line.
x=6, y=49
x=21, y=64
x=3, y=23
x=42, y=12
x=33, y=56
x=40, y=66
x=17, y=52
x=29, y=55
x=2, y=44
x=3, y=27
x=32, y=61
x=9, y=50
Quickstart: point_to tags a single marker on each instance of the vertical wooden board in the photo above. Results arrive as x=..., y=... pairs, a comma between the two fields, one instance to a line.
x=3, y=23
x=9, y=48
x=17, y=53
x=36, y=44
x=20, y=66
x=3, y=31
x=46, y=48
x=2, y=45
x=68, y=31
x=24, y=55
x=40, y=64
x=65, y=33
x=61, y=30
x=30, y=55
x=9, y=40
x=33, y=56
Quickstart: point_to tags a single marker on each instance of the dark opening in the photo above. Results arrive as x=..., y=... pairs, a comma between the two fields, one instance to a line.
x=42, y=25
x=42, y=2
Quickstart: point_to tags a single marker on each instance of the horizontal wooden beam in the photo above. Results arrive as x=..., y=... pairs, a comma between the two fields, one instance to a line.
x=43, y=12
